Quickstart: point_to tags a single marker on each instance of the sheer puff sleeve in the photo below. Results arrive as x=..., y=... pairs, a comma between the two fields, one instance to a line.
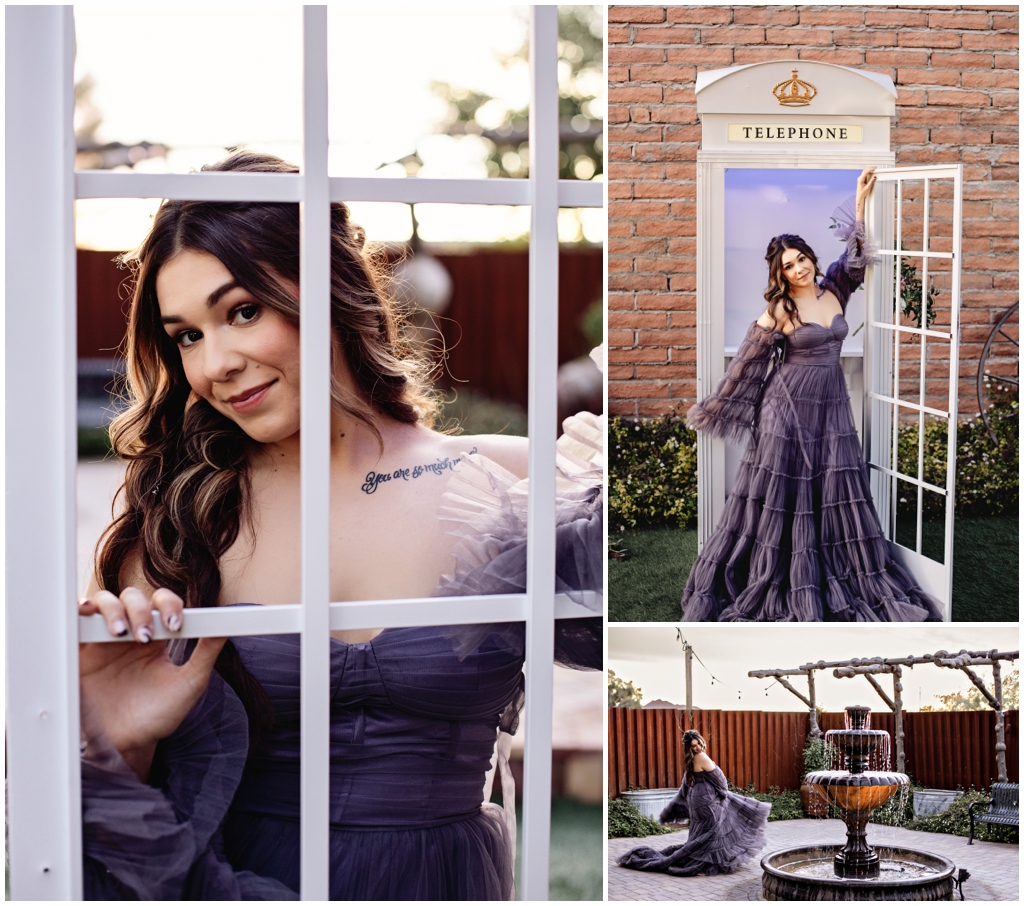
x=162, y=841
x=484, y=509
x=678, y=810
x=730, y=411
x=846, y=273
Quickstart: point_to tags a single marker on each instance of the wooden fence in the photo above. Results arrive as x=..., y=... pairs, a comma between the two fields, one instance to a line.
x=945, y=749
x=485, y=326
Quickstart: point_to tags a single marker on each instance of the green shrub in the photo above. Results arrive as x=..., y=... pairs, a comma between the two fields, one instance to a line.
x=786, y=804
x=818, y=755
x=652, y=473
x=626, y=820
x=652, y=468
x=987, y=476
x=956, y=820
x=897, y=812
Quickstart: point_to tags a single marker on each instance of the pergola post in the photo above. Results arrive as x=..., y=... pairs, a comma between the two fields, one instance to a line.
x=997, y=681
x=815, y=730
x=897, y=697
x=689, y=682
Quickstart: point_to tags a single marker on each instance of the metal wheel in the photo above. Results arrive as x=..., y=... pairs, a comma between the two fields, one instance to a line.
x=999, y=347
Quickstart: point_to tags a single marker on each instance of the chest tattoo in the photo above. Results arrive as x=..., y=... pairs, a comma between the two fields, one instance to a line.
x=439, y=466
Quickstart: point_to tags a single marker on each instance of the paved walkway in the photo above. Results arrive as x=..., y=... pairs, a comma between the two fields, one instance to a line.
x=994, y=867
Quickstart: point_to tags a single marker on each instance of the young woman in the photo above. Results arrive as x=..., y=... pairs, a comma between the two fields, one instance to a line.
x=799, y=538
x=191, y=757
x=725, y=831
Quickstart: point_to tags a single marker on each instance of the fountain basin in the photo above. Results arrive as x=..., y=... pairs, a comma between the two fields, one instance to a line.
x=857, y=792
x=806, y=873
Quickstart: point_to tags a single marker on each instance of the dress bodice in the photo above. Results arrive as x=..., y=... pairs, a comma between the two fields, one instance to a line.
x=708, y=776
x=815, y=344
x=413, y=724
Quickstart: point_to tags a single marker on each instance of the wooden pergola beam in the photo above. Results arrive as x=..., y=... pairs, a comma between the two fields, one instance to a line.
x=868, y=667
x=813, y=729
x=939, y=658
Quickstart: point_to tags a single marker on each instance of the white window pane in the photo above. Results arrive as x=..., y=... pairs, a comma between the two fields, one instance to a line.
x=395, y=115
x=195, y=81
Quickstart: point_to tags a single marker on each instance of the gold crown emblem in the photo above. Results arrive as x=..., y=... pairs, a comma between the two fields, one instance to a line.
x=794, y=92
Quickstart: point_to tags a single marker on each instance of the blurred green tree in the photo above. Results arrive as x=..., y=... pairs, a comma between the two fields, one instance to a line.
x=971, y=699
x=623, y=694
x=581, y=88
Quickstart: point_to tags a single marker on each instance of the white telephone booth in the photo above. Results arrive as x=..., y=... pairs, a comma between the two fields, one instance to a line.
x=782, y=144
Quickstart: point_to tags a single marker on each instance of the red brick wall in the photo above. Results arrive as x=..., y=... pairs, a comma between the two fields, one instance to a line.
x=955, y=69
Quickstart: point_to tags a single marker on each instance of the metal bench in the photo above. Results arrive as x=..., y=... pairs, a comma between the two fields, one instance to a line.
x=1003, y=807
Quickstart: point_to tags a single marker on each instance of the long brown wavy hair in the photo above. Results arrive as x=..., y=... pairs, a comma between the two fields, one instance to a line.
x=688, y=737
x=778, y=286
x=186, y=488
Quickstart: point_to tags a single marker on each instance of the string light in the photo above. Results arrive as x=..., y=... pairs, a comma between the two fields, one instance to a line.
x=679, y=636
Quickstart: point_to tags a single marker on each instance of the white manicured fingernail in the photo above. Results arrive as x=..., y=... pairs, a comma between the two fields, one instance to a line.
x=174, y=622
x=120, y=628
x=144, y=634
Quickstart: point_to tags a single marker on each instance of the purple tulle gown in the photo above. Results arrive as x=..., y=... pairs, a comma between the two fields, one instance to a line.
x=799, y=538
x=414, y=716
x=726, y=830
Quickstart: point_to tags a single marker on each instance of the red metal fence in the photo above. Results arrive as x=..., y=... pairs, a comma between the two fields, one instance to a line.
x=951, y=749
x=484, y=327
x=945, y=749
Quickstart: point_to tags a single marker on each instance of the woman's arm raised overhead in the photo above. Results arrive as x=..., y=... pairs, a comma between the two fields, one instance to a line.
x=846, y=273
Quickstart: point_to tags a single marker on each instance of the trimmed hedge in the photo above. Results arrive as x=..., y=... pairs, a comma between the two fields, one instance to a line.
x=652, y=469
x=626, y=820
x=652, y=473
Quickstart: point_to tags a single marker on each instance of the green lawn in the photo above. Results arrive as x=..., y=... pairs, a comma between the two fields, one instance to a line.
x=648, y=586
x=577, y=850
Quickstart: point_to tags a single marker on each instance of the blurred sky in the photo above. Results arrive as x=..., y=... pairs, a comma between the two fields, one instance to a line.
x=652, y=658
x=760, y=204
x=203, y=78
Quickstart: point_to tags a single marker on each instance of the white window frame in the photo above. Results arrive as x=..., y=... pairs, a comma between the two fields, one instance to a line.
x=883, y=398
x=43, y=631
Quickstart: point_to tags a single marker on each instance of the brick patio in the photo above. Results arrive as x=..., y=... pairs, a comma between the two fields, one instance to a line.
x=994, y=867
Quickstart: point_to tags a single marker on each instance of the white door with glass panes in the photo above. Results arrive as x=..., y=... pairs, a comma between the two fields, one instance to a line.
x=911, y=366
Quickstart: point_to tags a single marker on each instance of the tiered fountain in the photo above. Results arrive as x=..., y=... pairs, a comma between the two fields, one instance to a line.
x=857, y=871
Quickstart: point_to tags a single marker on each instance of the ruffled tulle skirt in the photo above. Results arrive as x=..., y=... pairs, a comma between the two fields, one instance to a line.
x=463, y=860
x=724, y=834
x=799, y=539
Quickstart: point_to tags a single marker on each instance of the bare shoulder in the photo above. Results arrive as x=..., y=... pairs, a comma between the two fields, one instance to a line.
x=769, y=323
x=830, y=297
x=703, y=762
x=409, y=446
x=509, y=452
